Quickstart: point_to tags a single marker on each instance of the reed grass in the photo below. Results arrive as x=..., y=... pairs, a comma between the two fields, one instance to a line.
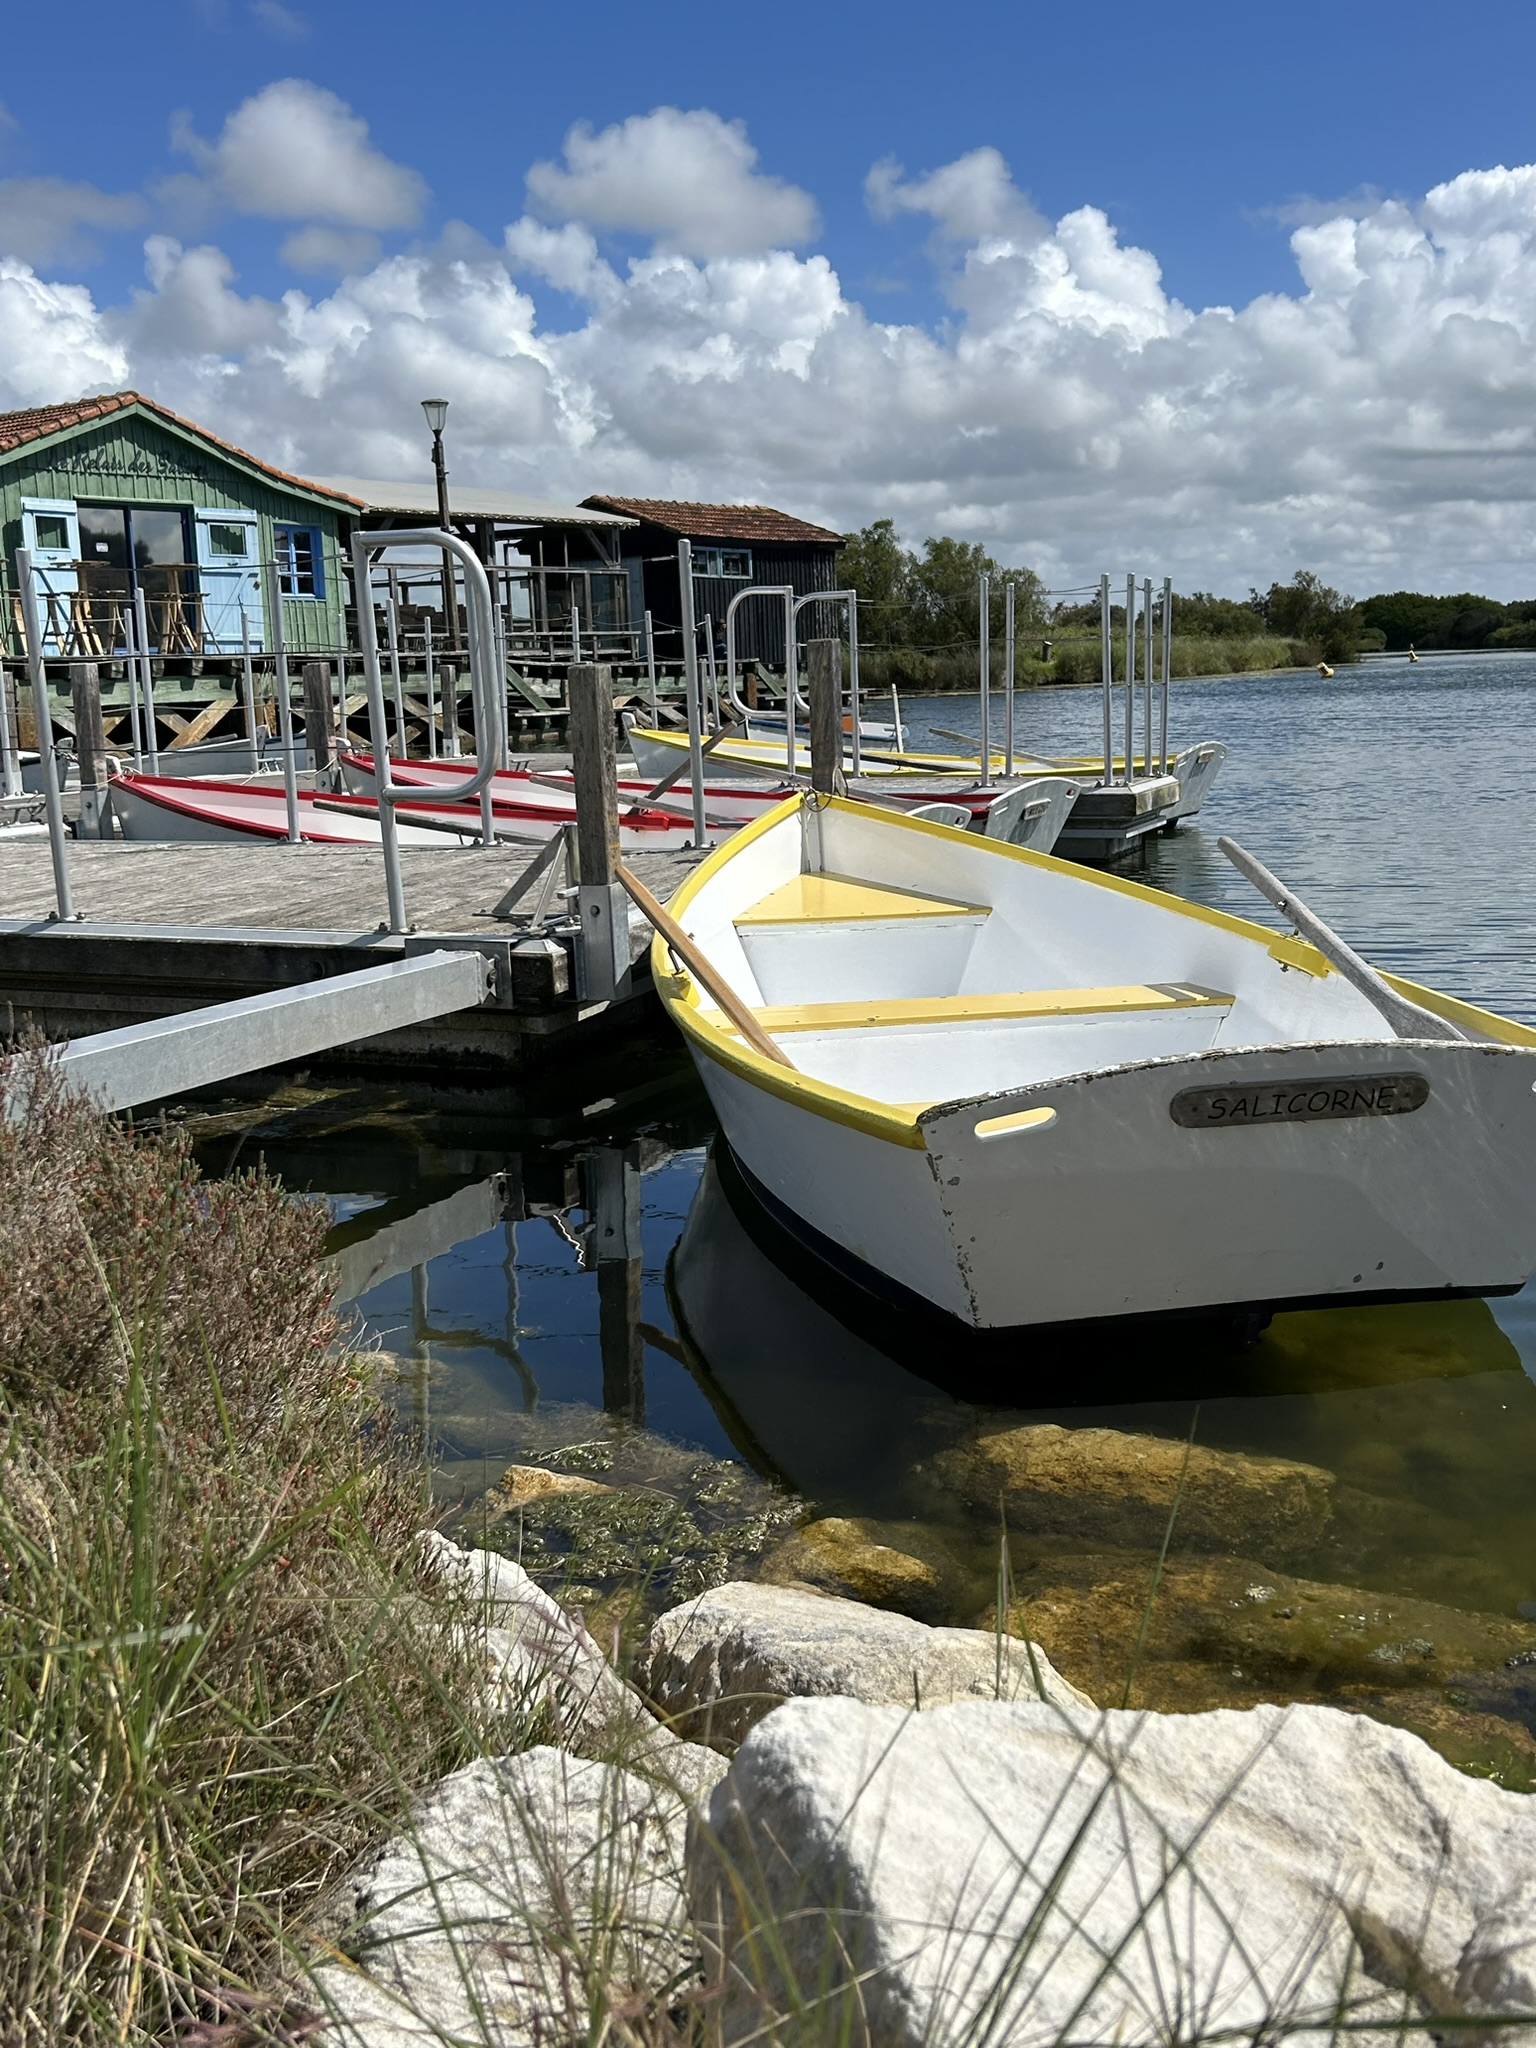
x=223, y=1663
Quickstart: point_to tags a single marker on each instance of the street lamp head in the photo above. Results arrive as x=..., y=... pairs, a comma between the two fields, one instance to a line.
x=436, y=410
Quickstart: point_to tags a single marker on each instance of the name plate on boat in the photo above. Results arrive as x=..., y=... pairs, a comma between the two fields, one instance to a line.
x=1299, y=1102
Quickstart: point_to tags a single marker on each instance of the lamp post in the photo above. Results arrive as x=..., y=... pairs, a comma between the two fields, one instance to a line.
x=436, y=410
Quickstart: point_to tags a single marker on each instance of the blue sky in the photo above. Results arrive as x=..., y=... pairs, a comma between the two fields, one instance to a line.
x=1202, y=135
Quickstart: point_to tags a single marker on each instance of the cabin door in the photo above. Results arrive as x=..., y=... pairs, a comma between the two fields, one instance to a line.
x=228, y=570
x=50, y=529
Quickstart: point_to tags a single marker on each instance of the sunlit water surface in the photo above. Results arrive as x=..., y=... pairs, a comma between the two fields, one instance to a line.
x=700, y=1371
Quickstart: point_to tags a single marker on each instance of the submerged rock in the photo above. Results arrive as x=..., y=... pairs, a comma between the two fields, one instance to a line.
x=1110, y=1486
x=530, y=1896
x=520, y=1484
x=716, y=1666
x=1028, y=1873
x=842, y=1556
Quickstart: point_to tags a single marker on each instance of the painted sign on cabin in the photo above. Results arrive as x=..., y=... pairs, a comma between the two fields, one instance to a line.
x=139, y=522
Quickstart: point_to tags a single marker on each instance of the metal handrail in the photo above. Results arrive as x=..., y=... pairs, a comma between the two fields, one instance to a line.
x=42, y=719
x=487, y=691
x=786, y=593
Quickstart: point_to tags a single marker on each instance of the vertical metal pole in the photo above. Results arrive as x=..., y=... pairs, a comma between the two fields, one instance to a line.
x=896, y=717
x=373, y=683
x=501, y=685
x=984, y=640
x=10, y=741
x=575, y=627
x=431, y=680
x=1010, y=658
x=284, y=703
x=1130, y=672
x=1162, y=738
x=791, y=663
x=691, y=678
x=855, y=760
x=1146, y=677
x=397, y=688
x=709, y=668
x=343, y=737
x=131, y=675
x=1107, y=664
x=650, y=667
x=26, y=583
x=147, y=680
x=248, y=691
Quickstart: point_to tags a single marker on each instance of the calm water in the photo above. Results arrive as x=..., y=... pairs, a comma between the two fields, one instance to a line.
x=562, y=1267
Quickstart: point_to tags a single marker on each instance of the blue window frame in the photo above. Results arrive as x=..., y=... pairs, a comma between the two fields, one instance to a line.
x=300, y=561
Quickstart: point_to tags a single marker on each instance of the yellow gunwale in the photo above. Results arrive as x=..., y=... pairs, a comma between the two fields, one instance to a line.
x=898, y=1123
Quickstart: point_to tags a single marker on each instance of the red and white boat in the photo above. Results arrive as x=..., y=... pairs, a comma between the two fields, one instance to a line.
x=152, y=807
x=552, y=789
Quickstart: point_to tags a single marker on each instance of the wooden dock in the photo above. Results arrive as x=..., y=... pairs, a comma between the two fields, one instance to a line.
x=167, y=928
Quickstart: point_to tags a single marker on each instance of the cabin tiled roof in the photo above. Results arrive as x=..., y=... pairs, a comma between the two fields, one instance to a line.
x=717, y=522
x=37, y=422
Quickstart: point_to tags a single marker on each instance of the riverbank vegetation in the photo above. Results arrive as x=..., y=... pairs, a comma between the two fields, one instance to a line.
x=223, y=1663
x=920, y=620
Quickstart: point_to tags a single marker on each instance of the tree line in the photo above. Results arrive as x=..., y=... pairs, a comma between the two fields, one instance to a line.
x=924, y=604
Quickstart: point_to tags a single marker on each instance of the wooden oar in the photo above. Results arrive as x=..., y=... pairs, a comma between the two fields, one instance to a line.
x=705, y=975
x=1406, y=1019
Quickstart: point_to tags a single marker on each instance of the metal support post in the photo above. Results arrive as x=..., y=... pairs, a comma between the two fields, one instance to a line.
x=147, y=681
x=248, y=691
x=791, y=676
x=131, y=678
x=431, y=688
x=691, y=677
x=1107, y=669
x=824, y=682
x=650, y=667
x=1162, y=740
x=397, y=687
x=855, y=758
x=284, y=702
x=1010, y=660
x=453, y=743
x=26, y=584
x=1146, y=677
x=10, y=739
x=603, y=902
x=1130, y=675
x=984, y=638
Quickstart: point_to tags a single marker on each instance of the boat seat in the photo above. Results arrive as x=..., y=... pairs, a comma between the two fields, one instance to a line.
x=1020, y=1005
x=838, y=899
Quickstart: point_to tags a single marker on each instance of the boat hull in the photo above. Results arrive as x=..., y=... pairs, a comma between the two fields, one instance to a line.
x=1111, y=1209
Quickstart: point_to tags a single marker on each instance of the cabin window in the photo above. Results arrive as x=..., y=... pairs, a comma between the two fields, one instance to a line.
x=299, y=572
x=52, y=530
x=722, y=561
x=228, y=540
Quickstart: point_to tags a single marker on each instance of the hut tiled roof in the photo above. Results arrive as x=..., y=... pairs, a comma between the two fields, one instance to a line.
x=717, y=522
x=37, y=422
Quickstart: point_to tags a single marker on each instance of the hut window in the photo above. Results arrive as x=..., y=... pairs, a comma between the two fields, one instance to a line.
x=298, y=561
x=52, y=530
x=723, y=561
x=227, y=540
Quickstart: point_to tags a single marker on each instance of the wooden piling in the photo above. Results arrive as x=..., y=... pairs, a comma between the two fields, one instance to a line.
x=319, y=733
x=90, y=748
x=593, y=765
x=824, y=663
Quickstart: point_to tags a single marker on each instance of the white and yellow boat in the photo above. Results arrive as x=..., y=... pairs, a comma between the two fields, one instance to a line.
x=1021, y=1093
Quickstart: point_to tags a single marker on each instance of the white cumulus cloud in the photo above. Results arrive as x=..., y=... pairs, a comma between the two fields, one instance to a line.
x=1376, y=421
x=57, y=220
x=688, y=179
x=294, y=151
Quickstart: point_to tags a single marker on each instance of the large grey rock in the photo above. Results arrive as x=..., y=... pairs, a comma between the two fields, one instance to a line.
x=531, y=1895
x=1023, y=1873
x=540, y=1662
x=718, y=1664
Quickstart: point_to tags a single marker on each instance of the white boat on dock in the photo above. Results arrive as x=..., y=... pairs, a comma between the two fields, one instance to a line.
x=984, y=1082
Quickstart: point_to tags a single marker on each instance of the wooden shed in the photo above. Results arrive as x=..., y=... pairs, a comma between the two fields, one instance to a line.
x=119, y=497
x=734, y=546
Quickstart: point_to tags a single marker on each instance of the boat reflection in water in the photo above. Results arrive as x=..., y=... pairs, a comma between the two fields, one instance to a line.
x=1418, y=1419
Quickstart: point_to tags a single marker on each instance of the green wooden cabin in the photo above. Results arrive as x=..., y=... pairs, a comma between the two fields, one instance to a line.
x=132, y=513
